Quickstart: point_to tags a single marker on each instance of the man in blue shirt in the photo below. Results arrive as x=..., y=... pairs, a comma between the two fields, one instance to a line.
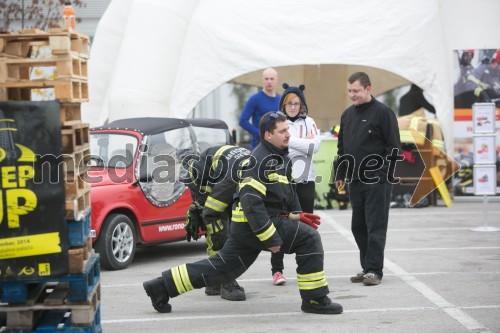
x=259, y=104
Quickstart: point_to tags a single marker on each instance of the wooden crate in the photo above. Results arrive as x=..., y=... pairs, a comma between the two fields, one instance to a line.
x=76, y=164
x=60, y=41
x=52, y=301
x=70, y=65
x=70, y=113
x=75, y=137
x=81, y=284
x=75, y=186
x=76, y=208
x=70, y=90
x=78, y=257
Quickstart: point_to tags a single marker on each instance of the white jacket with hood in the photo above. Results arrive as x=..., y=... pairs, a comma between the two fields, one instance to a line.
x=300, y=148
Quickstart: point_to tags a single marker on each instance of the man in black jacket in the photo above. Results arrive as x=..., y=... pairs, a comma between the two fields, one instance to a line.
x=266, y=216
x=368, y=144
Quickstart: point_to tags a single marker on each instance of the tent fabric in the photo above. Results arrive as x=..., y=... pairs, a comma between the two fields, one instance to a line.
x=169, y=55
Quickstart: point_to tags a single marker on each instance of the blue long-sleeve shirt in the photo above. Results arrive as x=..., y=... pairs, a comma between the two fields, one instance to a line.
x=257, y=106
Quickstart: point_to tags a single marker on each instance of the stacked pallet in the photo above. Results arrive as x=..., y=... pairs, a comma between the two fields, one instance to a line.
x=68, y=303
x=68, y=57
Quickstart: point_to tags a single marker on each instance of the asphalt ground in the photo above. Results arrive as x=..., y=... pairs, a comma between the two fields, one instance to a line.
x=439, y=276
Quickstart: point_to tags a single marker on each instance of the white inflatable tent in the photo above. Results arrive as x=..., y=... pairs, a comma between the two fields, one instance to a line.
x=162, y=57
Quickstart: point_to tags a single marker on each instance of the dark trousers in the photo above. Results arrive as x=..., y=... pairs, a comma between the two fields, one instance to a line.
x=370, y=215
x=241, y=250
x=305, y=193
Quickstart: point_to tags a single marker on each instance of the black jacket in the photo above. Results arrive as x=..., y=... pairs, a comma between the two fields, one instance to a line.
x=213, y=179
x=266, y=189
x=366, y=129
x=414, y=100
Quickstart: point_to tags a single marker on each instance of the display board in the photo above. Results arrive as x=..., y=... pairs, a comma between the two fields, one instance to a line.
x=33, y=233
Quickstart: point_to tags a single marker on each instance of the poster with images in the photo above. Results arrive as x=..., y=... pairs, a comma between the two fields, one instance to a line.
x=484, y=149
x=33, y=233
x=477, y=80
x=483, y=117
x=485, y=179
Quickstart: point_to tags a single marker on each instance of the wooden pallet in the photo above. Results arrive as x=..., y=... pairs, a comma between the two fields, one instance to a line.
x=70, y=90
x=79, y=232
x=78, y=257
x=81, y=284
x=75, y=187
x=53, y=299
x=60, y=42
x=75, y=137
x=76, y=208
x=70, y=113
x=76, y=164
x=70, y=65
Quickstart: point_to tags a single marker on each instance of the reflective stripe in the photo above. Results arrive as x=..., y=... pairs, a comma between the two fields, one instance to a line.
x=238, y=216
x=218, y=154
x=312, y=280
x=215, y=204
x=405, y=137
x=414, y=123
x=210, y=228
x=438, y=143
x=181, y=279
x=253, y=183
x=185, y=277
x=205, y=189
x=242, y=165
x=267, y=233
x=274, y=177
x=245, y=161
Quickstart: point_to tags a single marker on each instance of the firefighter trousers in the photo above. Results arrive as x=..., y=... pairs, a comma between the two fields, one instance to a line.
x=241, y=250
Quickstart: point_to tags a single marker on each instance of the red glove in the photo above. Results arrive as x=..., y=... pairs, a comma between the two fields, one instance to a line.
x=311, y=219
x=408, y=155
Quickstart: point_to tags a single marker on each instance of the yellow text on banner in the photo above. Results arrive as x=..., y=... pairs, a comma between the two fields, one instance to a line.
x=32, y=245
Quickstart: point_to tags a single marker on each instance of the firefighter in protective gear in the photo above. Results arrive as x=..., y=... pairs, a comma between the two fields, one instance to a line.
x=212, y=179
x=483, y=80
x=266, y=216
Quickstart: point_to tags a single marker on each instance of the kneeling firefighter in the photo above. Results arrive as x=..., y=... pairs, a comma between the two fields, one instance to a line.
x=213, y=177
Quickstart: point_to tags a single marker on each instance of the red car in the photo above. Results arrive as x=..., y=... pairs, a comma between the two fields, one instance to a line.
x=136, y=194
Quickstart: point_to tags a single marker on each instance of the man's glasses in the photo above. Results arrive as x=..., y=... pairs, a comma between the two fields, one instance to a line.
x=297, y=104
x=274, y=115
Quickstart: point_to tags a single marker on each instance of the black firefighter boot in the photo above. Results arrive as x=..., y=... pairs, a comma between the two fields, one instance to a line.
x=232, y=291
x=157, y=291
x=321, y=305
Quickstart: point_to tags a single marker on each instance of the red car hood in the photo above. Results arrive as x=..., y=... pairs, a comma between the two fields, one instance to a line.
x=110, y=177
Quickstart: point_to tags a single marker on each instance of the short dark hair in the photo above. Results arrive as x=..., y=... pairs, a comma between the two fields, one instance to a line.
x=269, y=125
x=362, y=77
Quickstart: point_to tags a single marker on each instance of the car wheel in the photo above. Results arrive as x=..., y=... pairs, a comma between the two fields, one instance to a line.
x=117, y=242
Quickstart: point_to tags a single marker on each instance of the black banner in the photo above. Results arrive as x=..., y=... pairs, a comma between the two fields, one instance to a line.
x=33, y=233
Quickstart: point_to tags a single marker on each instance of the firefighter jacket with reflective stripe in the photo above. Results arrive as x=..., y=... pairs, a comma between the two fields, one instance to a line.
x=214, y=178
x=266, y=189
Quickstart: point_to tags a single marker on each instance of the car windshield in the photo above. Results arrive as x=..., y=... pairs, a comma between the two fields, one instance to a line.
x=160, y=168
x=112, y=150
x=210, y=137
